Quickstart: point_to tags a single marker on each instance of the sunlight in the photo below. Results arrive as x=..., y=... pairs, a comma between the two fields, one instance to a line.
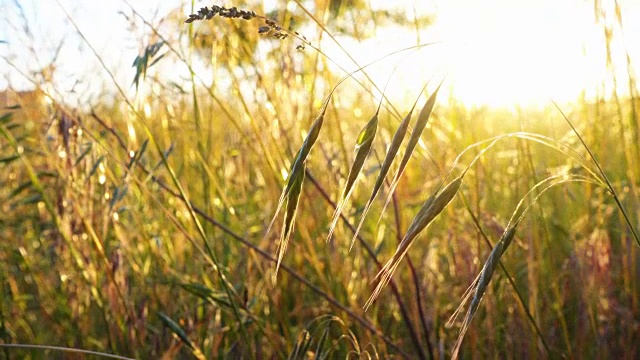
x=511, y=53
x=521, y=53
x=231, y=115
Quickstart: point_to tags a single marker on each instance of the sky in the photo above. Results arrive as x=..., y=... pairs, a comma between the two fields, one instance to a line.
x=495, y=52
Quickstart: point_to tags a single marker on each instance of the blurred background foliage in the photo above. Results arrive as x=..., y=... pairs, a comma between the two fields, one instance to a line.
x=99, y=249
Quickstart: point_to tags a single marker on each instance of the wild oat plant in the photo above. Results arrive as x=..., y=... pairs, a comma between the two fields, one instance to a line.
x=226, y=221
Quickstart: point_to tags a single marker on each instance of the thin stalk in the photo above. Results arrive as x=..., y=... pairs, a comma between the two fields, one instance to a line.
x=403, y=309
x=604, y=176
x=508, y=276
x=183, y=196
x=3, y=326
x=49, y=206
x=414, y=277
x=363, y=321
x=63, y=349
x=325, y=30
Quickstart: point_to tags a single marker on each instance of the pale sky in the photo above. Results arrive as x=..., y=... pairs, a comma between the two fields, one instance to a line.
x=496, y=52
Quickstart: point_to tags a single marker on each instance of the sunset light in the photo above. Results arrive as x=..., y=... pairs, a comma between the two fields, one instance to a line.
x=320, y=179
x=509, y=53
x=512, y=53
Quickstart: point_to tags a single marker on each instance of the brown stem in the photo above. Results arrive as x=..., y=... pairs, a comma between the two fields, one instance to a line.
x=414, y=276
x=403, y=309
x=364, y=322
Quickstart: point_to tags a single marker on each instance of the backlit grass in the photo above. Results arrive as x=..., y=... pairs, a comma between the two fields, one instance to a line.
x=191, y=220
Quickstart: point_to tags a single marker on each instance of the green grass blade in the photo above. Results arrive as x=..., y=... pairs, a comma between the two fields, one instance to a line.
x=206, y=293
x=6, y=118
x=176, y=329
x=9, y=159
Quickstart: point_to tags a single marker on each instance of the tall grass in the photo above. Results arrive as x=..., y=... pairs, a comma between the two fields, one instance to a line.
x=142, y=228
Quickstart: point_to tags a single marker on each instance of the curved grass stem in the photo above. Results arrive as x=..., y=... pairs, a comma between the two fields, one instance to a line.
x=611, y=190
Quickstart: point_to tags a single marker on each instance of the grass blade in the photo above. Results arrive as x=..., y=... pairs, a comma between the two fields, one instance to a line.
x=176, y=329
x=141, y=63
x=6, y=118
x=9, y=159
x=207, y=294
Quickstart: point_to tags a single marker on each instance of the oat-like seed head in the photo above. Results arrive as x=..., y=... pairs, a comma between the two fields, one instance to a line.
x=270, y=27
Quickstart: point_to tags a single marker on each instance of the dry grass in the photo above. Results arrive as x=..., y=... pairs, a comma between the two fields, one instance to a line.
x=146, y=227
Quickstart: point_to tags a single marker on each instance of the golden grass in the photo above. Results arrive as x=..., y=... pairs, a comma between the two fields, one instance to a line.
x=153, y=235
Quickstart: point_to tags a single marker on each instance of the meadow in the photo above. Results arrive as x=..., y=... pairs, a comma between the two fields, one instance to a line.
x=272, y=207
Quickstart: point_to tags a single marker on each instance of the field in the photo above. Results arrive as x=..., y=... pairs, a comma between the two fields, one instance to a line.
x=223, y=216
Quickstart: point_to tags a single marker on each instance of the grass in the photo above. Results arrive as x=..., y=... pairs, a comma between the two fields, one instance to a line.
x=192, y=221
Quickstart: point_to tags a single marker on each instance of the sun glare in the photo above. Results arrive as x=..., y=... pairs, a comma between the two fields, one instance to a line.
x=500, y=53
x=521, y=54
x=512, y=53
